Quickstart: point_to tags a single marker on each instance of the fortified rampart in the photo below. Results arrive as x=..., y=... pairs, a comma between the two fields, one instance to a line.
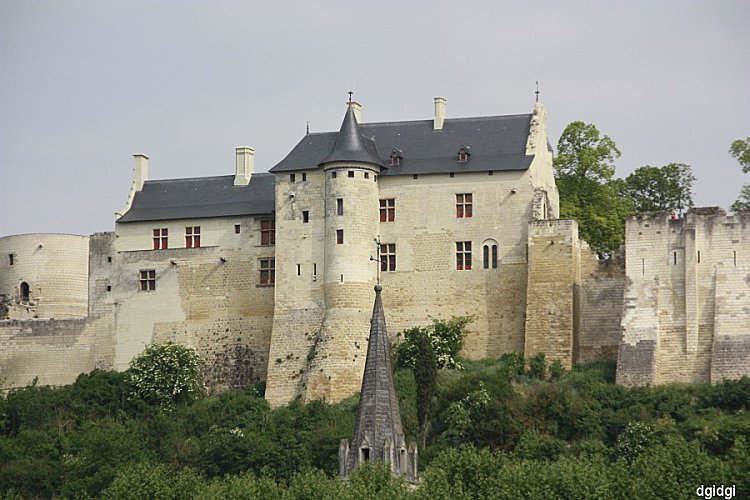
x=687, y=299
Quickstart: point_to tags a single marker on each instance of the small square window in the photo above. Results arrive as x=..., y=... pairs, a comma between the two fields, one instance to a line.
x=193, y=237
x=109, y=259
x=305, y=216
x=267, y=271
x=109, y=288
x=351, y=173
x=416, y=176
x=339, y=236
x=304, y=176
x=490, y=173
x=292, y=177
x=451, y=174
x=236, y=229
x=367, y=175
x=147, y=280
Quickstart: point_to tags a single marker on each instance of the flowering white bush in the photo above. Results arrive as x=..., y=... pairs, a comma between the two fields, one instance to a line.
x=165, y=375
x=446, y=338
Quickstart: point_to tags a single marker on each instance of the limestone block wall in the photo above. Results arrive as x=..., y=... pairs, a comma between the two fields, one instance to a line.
x=553, y=289
x=55, y=268
x=209, y=297
x=684, y=279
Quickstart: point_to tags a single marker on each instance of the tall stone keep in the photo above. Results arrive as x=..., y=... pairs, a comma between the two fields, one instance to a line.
x=378, y=434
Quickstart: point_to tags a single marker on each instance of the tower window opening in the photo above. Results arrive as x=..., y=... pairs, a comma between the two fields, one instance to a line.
x=11, y=259
x=268, y=232
x=351, y=174
x=299, y=269
x=292, y=177
x=304, y=176
x=339, y=236
x=305, y=216
x=699, y=256
x=674, y=254
x=333, y=174
x=339, y=206
x=24, y=289
x=236, y=229
x=365, y=454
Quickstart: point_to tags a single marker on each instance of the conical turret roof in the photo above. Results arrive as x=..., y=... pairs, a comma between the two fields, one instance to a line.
x=351, y=145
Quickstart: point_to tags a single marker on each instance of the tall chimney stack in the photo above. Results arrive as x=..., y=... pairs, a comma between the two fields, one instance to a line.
x=439, y=113
x=140, y=171
x=245, y=166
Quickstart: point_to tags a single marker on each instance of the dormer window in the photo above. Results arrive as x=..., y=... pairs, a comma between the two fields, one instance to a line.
x=463, y=154
x=396, y=157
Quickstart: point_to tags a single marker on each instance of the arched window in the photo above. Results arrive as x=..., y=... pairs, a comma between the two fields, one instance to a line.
x=489, y=254
x=24, y=289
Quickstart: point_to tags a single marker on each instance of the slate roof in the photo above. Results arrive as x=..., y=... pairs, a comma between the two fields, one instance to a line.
x=378, y=414
x=202, y=197
x=350, y=145
x=496, y=142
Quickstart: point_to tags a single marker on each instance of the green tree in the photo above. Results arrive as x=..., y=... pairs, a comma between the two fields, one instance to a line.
x=165, y=375
x=446, y=338
x=660, y=189
x=740, y=149
x=584, y=168
x=425, y=376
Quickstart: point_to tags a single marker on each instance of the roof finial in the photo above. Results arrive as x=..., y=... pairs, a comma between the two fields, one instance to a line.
x=537, y=91
x=350, y=97
x=308, y=128
x=377, y=260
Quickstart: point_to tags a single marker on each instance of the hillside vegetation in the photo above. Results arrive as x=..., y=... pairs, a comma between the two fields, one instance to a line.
x=500, y=429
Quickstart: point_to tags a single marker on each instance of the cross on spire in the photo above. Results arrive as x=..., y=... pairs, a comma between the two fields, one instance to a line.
x=537, y=91
x=350, y=96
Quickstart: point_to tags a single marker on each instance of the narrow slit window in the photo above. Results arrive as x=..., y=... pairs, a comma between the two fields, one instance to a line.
x=333, y=174
x=339, y=236
x=11, y=259
x=494, y=256
x=25, y=291
x=304, y=176
x=305, y=216
x=339, y=206
x=299, y=269
x=292, y=177
x=674, y=255
x=236, y=229
x=486, y=256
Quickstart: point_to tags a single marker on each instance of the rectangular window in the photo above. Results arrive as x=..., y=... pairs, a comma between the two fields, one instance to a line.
x=388, y=210
x=388, y=257
x=160, y=239
x=339, y=236
x=463, y=205
x=236, y=229
x=292, y=177
x=305, y=216
x=489, y=254
x=304, y=176
x=339, y=206
x=367, y=175
x=333, y=174
x=463, y=255
x=351, y=173
x=268, y=232
x=11, y=259
x=267, y=271
x=148, y=280
x=193, y=237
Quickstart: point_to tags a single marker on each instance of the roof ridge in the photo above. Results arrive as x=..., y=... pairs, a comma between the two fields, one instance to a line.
x=196, y=179
x=460, y=118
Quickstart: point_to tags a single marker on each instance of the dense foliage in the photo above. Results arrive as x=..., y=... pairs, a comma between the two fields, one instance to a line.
x=660, y=189
x=446, y=337
x=740, y=150
x=501, y=429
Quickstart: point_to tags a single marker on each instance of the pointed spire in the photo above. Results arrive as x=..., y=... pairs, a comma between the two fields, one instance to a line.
x=351, y=145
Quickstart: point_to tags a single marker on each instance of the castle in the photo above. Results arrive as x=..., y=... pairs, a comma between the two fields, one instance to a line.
x=269, y=275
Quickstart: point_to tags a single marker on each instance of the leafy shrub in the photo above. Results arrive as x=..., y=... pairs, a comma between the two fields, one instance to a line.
x=446, y=338
x=165, y=375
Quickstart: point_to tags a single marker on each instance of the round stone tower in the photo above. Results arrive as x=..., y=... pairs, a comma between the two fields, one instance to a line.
x=351, y=172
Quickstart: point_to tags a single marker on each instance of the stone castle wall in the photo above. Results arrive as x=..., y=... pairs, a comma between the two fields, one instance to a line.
x=686, y=315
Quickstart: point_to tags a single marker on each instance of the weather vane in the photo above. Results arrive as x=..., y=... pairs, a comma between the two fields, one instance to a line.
x=350, y=96
x=377, y=259
x=537, y=91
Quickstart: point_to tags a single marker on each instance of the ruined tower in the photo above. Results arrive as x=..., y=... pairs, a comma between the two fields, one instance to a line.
x=378, y=434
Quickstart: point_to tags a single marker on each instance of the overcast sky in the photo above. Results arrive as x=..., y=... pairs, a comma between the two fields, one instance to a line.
x=86, y=84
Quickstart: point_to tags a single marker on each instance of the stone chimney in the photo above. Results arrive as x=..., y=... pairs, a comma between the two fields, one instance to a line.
x=140, y=171
x=357, y=108
x=140, y=176
x=439, y=113
x=245, y=166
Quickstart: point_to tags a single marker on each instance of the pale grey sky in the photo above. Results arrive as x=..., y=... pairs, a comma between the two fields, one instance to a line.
x=85, y=84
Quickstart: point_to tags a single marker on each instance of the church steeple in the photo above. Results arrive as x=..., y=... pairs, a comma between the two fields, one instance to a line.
x=351, y=145
x=378, y=434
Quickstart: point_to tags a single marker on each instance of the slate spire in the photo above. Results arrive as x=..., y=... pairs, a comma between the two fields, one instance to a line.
x=351, y=145
x=378, y=434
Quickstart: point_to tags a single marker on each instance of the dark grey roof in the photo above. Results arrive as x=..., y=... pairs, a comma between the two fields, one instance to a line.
x=496, y=142
x=350, y=145
x=202, y=197
x=378, y=415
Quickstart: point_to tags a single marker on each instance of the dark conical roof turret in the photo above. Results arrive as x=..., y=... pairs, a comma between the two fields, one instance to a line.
x=351, y=145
